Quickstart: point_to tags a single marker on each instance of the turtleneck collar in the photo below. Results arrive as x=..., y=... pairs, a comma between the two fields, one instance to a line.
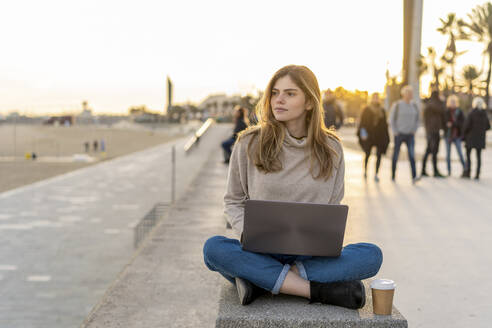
x=294, y=142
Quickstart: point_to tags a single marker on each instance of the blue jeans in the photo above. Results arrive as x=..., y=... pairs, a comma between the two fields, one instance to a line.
x=227, y=148
x=268, y=271
x=409, y=140
x=457, y=143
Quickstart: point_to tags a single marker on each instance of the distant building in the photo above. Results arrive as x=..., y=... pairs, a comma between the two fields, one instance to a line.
x=110, y=119
x=184, y=113
x=86, y=117
x=219, y=104
x=13, y=115
x=66, y=120
x=16, y=118
x=169, y=96
x=140, y=114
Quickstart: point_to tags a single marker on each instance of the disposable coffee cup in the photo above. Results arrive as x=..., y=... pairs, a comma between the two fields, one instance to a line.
x=382, y=296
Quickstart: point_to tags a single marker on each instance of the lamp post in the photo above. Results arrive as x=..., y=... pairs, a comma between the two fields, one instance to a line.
x=15, y=136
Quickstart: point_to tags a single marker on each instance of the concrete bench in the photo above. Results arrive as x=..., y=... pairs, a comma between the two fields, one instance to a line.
x=289, y=311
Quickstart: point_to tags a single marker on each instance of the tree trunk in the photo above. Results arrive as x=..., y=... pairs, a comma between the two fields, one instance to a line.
x=453, y=87
x=488, y=80
x=436, y=78
x=470, y=93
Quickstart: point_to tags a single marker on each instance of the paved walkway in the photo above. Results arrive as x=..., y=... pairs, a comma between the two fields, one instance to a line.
x=434, y=235
x=167, y=284
x=435, y=238
x=65, y=239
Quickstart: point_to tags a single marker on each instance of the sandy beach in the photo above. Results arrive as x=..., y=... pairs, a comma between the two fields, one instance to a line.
x=61, y=149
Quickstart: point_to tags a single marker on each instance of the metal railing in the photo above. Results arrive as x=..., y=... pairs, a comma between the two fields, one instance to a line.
x=152, y=218
x=149, y=221
x=196, y=138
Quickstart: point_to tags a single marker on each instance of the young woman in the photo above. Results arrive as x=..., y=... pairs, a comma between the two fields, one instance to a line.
x=289, y=156
x=373, y=131
x=476, y=125
x=240, y=123
x=455, y=120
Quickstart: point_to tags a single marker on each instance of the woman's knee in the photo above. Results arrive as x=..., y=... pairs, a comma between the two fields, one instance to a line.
x=211, y=245
x=371, y=253
x=217, y=248
x=374, y=256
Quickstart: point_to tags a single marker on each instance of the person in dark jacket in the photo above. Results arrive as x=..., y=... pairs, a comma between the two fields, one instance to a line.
x=434, y=122
x=455, y=119
x=373, y=132
x=333, y=112
x=476, y=125
x=240, y=123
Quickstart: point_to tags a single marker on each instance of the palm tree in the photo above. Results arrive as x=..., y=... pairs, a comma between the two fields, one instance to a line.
x=422, y=65
x=436, y=70
x=470, y=74
x=479, y=28
x=451, y=28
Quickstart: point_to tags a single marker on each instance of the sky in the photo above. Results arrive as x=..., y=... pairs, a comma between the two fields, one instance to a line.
x=117, y=54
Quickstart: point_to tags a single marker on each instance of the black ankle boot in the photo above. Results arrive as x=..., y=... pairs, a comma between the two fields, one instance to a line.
x=349, y=294
x=438, y=174
x=248, y=292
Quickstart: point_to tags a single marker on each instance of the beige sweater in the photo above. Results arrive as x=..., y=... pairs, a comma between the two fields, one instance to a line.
x=293, y=183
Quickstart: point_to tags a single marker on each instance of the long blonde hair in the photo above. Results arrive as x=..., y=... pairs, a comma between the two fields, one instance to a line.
x=453, y=98
x=271, y=133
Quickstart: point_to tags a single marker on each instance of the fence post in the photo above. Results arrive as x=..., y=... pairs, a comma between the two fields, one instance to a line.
x=15, y=136
x=173, y=175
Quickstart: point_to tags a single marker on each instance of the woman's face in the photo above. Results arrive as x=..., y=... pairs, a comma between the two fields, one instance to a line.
x=452, y=104
x=375, y=99
x=288, y=101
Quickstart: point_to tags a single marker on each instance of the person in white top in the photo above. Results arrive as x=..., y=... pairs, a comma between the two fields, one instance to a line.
x=404, y=121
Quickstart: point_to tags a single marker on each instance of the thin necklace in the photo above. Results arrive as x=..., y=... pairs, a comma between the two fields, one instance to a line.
x=300, y=138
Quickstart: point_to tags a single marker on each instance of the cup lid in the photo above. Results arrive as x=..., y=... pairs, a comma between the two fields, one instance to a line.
x=383, y=284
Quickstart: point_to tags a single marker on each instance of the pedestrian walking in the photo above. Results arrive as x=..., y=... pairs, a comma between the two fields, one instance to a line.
x=434, y=118
x=333, y=113
x=95, y=145
x=240, y=123
x=476, y=125
x=455, y=120
x=290, y=155
x=373, y=132
x=404, y=121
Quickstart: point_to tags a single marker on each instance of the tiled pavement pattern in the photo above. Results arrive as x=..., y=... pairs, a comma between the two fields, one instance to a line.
x=65, y=239
x=435, y=237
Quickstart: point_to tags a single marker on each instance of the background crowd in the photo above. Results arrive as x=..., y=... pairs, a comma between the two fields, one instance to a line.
x=442, y=118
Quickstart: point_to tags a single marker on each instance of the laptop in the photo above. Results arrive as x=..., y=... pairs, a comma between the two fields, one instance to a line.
x=294, y=228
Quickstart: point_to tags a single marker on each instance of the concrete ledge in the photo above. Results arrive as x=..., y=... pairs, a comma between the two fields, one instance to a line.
x=289, y=311
x=166, y=283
